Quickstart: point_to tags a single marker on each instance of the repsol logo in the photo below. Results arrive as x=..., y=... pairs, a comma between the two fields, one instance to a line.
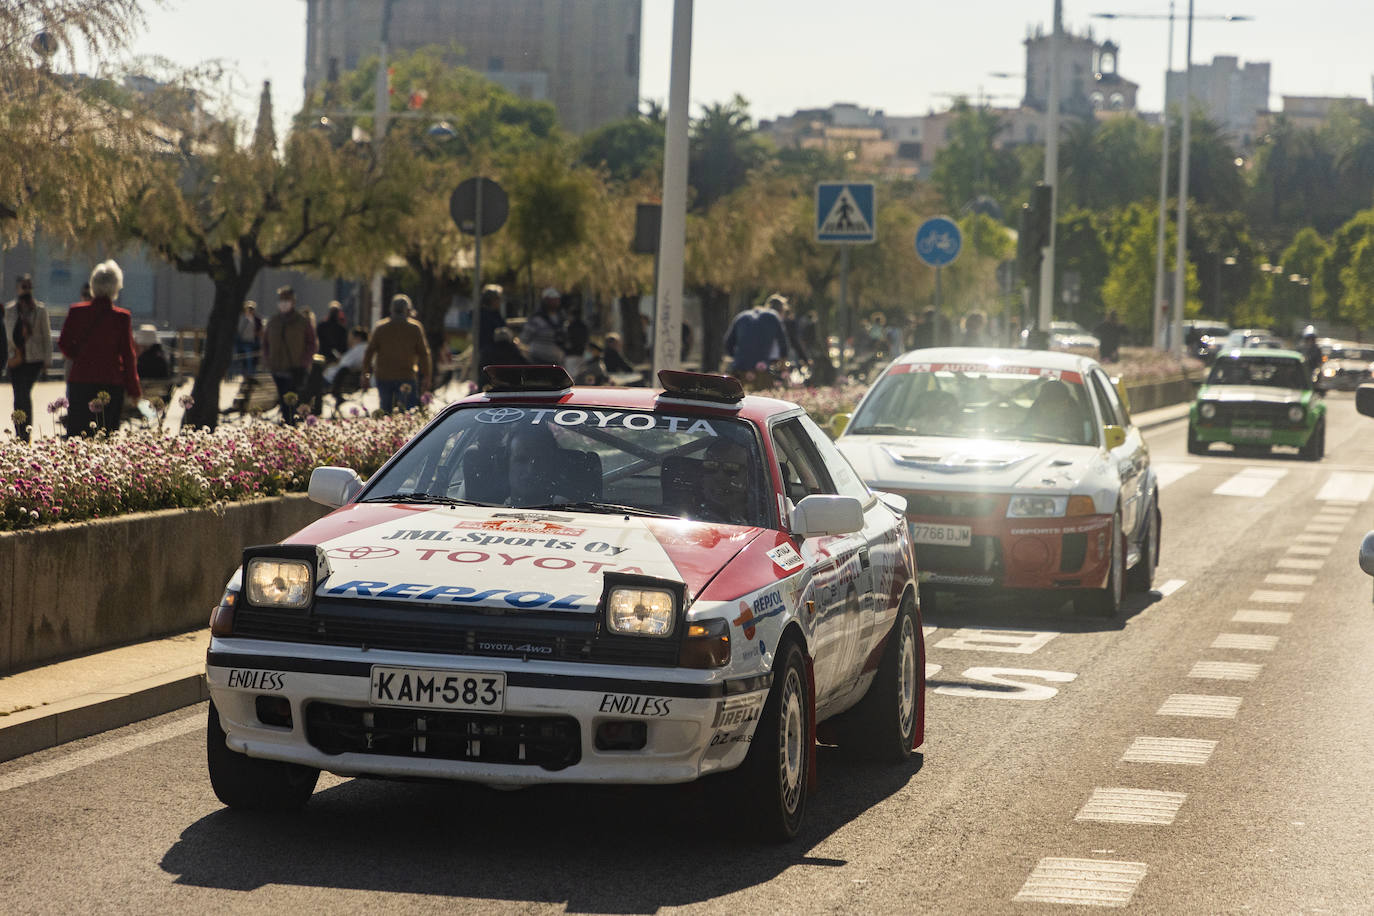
x=250, y=679
x=764, y=602
x=626, y=704
x=462, y=594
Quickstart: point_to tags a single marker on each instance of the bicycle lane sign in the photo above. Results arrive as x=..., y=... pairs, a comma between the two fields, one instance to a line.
x=938, y=241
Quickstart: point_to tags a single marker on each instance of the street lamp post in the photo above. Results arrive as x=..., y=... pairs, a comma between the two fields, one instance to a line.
x=1166, y=337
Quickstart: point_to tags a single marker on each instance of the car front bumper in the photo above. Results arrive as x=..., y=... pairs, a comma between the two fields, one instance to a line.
x=1253, y=434
x=1019, y=553
x=695, y=722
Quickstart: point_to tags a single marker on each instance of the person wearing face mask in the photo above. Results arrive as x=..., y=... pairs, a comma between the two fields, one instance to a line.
x=28, y=348
x=288, y=345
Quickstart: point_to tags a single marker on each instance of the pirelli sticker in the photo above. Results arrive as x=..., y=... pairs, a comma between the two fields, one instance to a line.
x=785, y=558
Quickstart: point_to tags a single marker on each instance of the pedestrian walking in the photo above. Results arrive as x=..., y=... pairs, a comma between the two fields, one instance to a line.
x=248, y=340
x=288, y=347
x=489, y=319
x=398, y=355
x=332, y=334
x=97, y=339
x=755, y=338
x=28, y=348
x=924, y=334
x=1108, y=334
x=544, y=336
x=975, y=334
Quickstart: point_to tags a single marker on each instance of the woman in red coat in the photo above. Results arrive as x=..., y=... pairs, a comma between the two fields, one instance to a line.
x=98, y=341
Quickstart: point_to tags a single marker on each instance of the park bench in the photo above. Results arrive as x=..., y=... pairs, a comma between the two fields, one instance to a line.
x=155, y=390
x=257, y=394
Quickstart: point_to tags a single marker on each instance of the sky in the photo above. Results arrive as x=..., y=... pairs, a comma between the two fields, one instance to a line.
x=902, y=56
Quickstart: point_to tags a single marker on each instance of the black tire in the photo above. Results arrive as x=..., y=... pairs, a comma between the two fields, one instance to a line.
x=929, y=603
x=1315, y=447
x=1195, y=445
x=1141, y=576
x=251, y=784
x=1106, y=602
x=882, y=726
x=772, y=781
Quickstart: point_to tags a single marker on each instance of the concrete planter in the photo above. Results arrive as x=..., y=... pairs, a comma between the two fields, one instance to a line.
x=86, y=586
x=1151, y=395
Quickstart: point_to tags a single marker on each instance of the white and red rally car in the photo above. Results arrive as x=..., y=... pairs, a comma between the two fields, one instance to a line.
x=576, y=585
x=1021, y=469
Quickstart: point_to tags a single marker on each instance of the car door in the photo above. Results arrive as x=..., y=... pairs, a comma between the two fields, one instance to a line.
x=839, y=567
x=1130, y=458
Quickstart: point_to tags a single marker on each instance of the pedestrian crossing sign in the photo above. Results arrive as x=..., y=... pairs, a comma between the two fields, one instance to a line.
x=845, y=212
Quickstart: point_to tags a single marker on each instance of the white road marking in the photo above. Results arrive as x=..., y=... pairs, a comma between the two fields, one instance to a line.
x=103, y=750
x=1331, y=510
x=1183, y=751
x=1311, y=550
x=1298, y=563
x=1226, y=671
x=1168, y=472
x=926, y=631
x=1267, y=596
x=1168, y=588
x=996, y=684
x=1256, y=642
x=1319, y=527
x=1132, y=806
x=1288, y=579
x=1279, y=617
x=1344, y=486
x=932, y=670
x=1200, y=706
x=1016, y=642
x=1253, y=483
x=1082, y=882
x=1317, y=538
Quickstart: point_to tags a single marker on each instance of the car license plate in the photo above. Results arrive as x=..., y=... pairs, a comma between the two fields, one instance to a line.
x=430, y=688
x=949, y=535
x=1251, y=432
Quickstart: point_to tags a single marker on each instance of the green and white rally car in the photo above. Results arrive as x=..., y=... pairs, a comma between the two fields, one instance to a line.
x=1258, y=398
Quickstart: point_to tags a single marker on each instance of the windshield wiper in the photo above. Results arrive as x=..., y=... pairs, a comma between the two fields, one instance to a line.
x=607, y=508
x=423, y=498
x=881, y=430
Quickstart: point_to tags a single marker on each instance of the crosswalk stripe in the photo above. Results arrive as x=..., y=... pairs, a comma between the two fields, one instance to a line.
x=1167, y=472
x=1226, y=671
x=1132, y=806
x=1253, y=641
x=1200, y=705
x=1186, y=751
x=1279, y=617
x=1347, y=485
x=1253, y=483
x=1288, y=579
x=1311, y=550
x=1083, y=882
x=1299, y=563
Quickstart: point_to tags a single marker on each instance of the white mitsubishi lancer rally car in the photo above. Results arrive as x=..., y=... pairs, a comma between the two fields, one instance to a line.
x=576, y=585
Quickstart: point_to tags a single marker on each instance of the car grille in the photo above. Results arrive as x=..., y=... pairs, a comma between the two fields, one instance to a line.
x=983, y=555
x=1072, y=552
x=1227, y=414
x=371, y=625
x=954, y=505
x=550, y=742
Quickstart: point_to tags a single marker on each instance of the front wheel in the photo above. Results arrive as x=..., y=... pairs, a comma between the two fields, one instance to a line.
x=1195, y=445
x=246, y=782
x=773, y=778
x=1106, y=602
x=883, y=726
x=1141, y=577
x=1315, y=447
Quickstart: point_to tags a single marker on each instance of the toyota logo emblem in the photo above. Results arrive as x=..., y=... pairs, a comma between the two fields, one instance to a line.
x=363, y=553
x=499, y=415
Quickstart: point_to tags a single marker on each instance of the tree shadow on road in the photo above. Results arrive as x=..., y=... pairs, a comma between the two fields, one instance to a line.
x=589, y=848
x=1030, y=612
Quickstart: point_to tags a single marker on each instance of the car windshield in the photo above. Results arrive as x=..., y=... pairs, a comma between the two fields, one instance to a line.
x=978, y=402
x=1352, y=353
x=1275, y=372
x=585, y=459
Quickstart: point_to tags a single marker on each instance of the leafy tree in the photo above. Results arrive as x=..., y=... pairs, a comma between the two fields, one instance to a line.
x=1295, y=184
x=973, y=164
x=723, y=151
x=224, y=208
x=1214, y=179
x=57, y=160
x=1357, y=278
x=1080, y=251
x=1337, y=303
x=1108, y=165
x=549, y=201
x=626, y=149
x=1130, y=284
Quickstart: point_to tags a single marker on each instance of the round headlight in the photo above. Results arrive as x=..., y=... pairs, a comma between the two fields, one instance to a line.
x=1295, y=413
x=1208, y=411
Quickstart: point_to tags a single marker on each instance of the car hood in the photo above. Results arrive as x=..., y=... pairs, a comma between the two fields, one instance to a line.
x=1250, y=394
x=942, y=463
x=520, y=558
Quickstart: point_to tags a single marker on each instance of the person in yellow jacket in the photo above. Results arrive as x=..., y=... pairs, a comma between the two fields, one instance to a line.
x=398, y=356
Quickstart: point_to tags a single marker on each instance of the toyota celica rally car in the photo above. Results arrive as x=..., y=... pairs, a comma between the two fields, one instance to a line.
x=1021, y=471
x=576, y=585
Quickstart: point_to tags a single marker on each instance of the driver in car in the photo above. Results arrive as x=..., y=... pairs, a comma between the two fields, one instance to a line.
x=1056, y=414
x=535, y=469
x=724, y=495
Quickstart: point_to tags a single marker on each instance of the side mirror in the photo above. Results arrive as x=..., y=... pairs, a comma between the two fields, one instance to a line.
x=1125, y=396
x=333, y=487
x=820, y=515
x=892, y=501
x=839, y=423
x=1364, y=400
x=1113, y=437
x=1367, y=553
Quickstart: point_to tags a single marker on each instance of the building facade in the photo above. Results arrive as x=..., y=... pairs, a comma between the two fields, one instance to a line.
x=1234, y=96
x=582, y=56
x=1088, y=78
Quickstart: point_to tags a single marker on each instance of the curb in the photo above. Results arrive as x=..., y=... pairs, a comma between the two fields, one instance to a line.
x=34, y=730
